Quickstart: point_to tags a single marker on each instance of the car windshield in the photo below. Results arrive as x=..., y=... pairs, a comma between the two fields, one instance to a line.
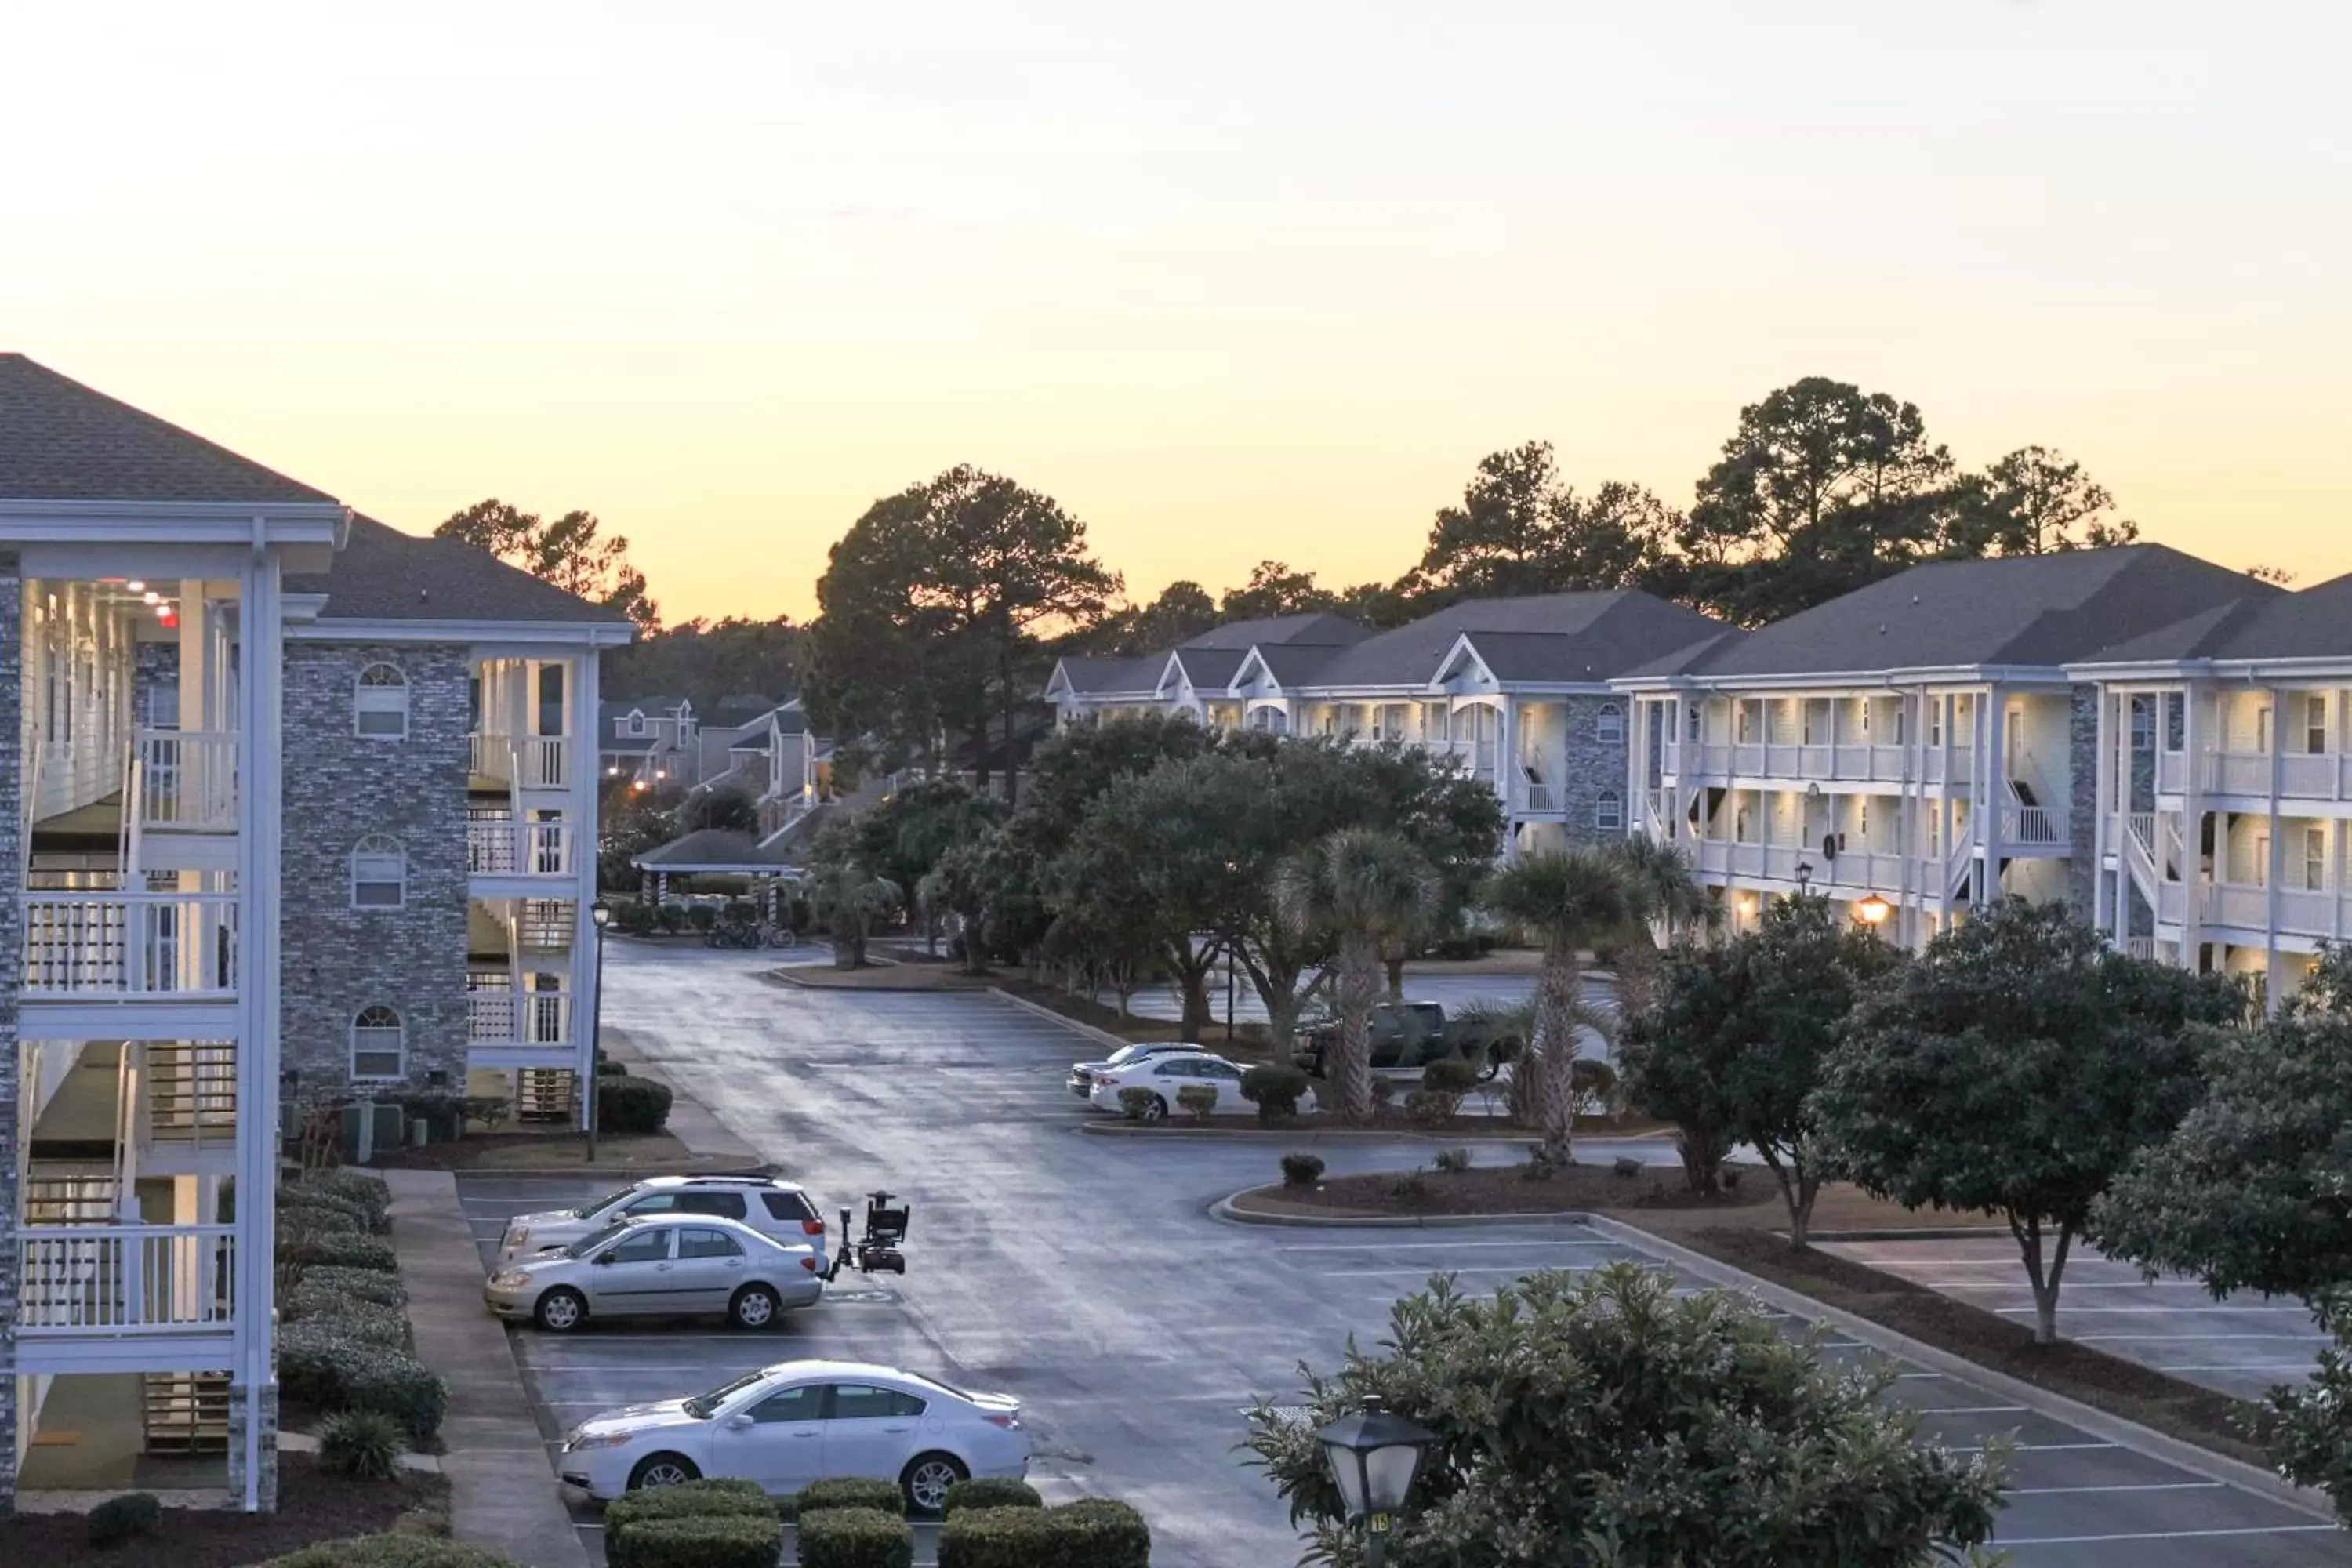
x=593, y=1240
x=702, y=1407
x=1125, y=1055
x=590, y=1211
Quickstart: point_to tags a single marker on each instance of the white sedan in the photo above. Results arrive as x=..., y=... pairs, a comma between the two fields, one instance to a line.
x=1162, y=1076
x=1082, y=1074
x=798, y=1421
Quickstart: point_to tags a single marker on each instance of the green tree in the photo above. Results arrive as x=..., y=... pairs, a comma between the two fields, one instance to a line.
x=1182, y=611
x=1736, y=1042
x=1599, y=1421
x=570, y=552
x=2309, y=1441
x=1521, y=530
x=2016, y=1068
x=1664, y=898
x=932, y=607
x=1368, y=889
x=1274, y=589
x=705, y=660
x=727, y=808
x=848, y=895
x=1566, y=901
x=2032, y=503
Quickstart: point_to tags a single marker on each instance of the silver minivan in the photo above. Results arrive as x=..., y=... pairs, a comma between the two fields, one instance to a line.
x=665, y=1264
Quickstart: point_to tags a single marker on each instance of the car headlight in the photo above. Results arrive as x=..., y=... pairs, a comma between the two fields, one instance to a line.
x=579, y=1441
x=517, y=1236
x=509, y=1278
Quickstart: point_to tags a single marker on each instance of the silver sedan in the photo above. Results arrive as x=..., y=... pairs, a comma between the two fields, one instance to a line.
x=658, y=1265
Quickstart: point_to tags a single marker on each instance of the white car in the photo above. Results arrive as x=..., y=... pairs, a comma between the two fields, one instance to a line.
x=1082, y=1074
x=664, y=1263
x=1165, y=1074
x=781, y=1211
x=798, y=1421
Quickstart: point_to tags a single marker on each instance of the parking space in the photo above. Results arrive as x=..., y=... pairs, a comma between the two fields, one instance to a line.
x=1084, y=1276
x=1452, y=990
x=2242, y=1346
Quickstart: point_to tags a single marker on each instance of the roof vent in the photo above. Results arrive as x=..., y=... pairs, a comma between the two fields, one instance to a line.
x=425, y=593
x=1882, y=628
x=1914, y=598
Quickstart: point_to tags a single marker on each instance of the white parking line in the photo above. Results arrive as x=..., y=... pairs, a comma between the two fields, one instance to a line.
x=2304, y=1312
x=2071, y=1285
x=1532, y=1243
x=1974, y=1410
x=2004, y=1540
x=2130, y=1486
x=1437, y=1268
x=2187, y=1338
x=2031, y=1448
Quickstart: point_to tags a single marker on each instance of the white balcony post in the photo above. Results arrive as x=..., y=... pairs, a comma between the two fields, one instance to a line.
x=2278, y=852
x=581, y=813
x=259, y=627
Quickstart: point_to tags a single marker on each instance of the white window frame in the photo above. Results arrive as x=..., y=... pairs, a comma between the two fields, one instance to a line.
x=1609, y=811
x=1609, y=725
x=371, y=1037
x=378, y=861
x=377, y=698
x=634, y=725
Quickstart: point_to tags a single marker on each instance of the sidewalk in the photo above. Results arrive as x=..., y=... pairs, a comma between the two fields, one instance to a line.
x=503, y=1494
x=690, y=1123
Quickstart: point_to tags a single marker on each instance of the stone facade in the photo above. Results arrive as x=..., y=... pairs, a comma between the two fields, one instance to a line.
x=2082, y=797
x=265, y=1493
x=341, y=787
x=1595, y=766
x=12, y=971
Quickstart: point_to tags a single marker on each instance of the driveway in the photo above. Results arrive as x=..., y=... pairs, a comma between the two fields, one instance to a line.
x=1084, y=1274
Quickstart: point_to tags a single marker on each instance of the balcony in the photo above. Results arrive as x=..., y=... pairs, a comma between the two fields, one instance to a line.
x=1854, y=872
x=508, y=1028
x=187, y=781
x=2027, y=828
x=1476, y=757
x=1533, y=797
x=501, y=847
x=116, y=945
x=1843, y=762
x=2303, y=775
x=527, y=762
x=119, y=1280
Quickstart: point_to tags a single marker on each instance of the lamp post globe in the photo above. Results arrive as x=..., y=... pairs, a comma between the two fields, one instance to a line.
x=1872, y=911
x=1375, y=1457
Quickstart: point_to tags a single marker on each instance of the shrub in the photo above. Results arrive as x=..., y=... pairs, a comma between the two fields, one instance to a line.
x=492, y=1111
x=337, y=1249
x=434, y=1521
x=742, y=911
x=1413, y=1186
x=298, y=1196
x=348, y=1315
x=1092, y=1533
x=1433, y=1109
x=1450, y=1075
x=1731, y=1178
x=1626, y=1165
x=1540, y=1165
x=319, y=1364
x=1104, y=1533
x=626, y=1104
x=711, y=1497
x=124, y=1517
x=848, y=1491
x=992, y=1492
x=1591, y=1085
x=398, y=1550
x=364, y=1445
x=852, y=1538
x=1453, y=1161
x=358, y=1284
x=709, y=1541
x=1199, y=1098
x=1135, y=1104
x=703, y=918
x=1301, y=1170
x=607, y=1068
x=1384, y=1092
x=370, y=1192
x=671, y=917
x=315, y=1219
x=1274, y=1090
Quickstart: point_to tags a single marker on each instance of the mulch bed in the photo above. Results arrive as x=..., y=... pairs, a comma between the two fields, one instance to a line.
x=1313, y=1122
x=312, y=1506
x=2169, y=1405
x=552, y=1150
x=1506, y=1189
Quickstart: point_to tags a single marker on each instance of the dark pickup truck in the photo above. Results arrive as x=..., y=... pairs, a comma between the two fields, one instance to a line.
x=1404, y=1035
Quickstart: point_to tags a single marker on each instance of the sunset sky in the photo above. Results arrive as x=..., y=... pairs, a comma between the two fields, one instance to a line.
x=1230, y=279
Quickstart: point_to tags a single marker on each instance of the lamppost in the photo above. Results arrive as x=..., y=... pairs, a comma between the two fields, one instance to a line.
x=603, y=915
x=1872, y=911
x=1375, y=1457
x=1804, y=878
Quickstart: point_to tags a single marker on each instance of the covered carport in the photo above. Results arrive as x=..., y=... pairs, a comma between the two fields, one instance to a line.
x=722, y=852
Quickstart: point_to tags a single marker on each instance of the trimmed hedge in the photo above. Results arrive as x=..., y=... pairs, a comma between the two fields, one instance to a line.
x=124, y=1517
x=356, y=1284
x=626, y=1104
x=712, y=1498
x=295, y=1197
x=1092, y=1533
x=371, y=1192
x=320, y=1364
x=391, y=1551
x=1274, y=1090
x=848, y=1491
x=307, y=1219
x=855, y=1537
x=350, y=1317
x=719, y=1541
x=337, y=1249
x=992, y=1492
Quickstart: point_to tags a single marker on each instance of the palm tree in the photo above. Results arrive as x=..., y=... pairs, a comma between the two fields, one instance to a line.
x=1365, y=890
x=849, y=899
x=1663, y=896
x=1567, y=901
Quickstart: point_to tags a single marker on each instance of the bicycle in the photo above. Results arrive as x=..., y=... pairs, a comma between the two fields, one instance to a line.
x=779, y=936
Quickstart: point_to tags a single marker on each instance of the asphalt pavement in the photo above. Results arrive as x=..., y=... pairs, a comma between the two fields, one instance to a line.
x=1084, y=1275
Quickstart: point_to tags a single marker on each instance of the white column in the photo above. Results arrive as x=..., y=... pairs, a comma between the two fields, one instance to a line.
x=2277, y=867
x=261, y=756
x=1994, y=751
x=581, y=812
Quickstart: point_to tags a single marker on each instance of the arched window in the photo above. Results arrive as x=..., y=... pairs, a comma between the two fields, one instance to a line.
x=1609, y=811
x=379, y=874
x=380, y=702
x=1612, y=724
x=378, y=1047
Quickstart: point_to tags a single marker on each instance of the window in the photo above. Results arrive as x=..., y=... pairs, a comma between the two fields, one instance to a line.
x=1612, y=724
x=2314, y=724
x=377, y=1051
x=864, y=1402
x=788, y=1206
x=550, y=700
x=2315, y=860
x=2143, y=724
x=380, y=704
x=726, y=1205
x=2262, y=728
x=803, y=1404
x=641, y=1247
x=1934, y=721
x=1697, y=720
x=708, y=1244
x=1608, y=811
x=634, y=724
x=379, y=874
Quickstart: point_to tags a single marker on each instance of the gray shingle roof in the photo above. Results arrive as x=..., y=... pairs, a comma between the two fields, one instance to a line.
x=60, y=440
x=1210, y=668
x=2017, y=610
x=384, y=574
x=714, y=847
x=1090, y=675
x=1566, y=638
x=2314, y=623
x=1317, y=627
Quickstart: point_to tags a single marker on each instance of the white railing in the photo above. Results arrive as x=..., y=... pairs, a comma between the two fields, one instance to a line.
x=1821, y=761
x=2238, y=772
x=2143, y=829
x=1856, y=871
x=505, y=1017
x=187, y=781
x=2246, y=909
x=116, y=1279
x=1536, y=795
x=1476, y=757
x=501, y=847
x=191, y=1092
x=488, y=754
x=2140, y=946
x=129, y=945
x=2171, y=771
x=2032, y=825
x=541, y=762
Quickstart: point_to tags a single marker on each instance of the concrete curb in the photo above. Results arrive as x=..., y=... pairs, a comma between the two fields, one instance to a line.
x=503, y=1493
x=1917, y=1233
x=1119, y=1127
x=1877, y=1336
x=1100, y=1037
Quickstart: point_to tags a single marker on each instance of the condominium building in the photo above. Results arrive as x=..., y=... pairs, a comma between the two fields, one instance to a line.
x=1518, y=691
x=304, y=811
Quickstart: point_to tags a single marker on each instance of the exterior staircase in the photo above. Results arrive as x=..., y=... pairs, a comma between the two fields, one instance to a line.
x=192, y=1093
x=186, y=1412
x=546, y=1094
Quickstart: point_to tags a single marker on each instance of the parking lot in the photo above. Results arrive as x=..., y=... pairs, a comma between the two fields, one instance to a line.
x=2241, y=1346
x=1084, y=1274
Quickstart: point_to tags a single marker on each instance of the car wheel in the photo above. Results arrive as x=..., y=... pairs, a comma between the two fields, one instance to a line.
x=926, y=1482
x=1157, y=1111
x=560, y=1310
x=754, y=1307
x=663, y=1470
